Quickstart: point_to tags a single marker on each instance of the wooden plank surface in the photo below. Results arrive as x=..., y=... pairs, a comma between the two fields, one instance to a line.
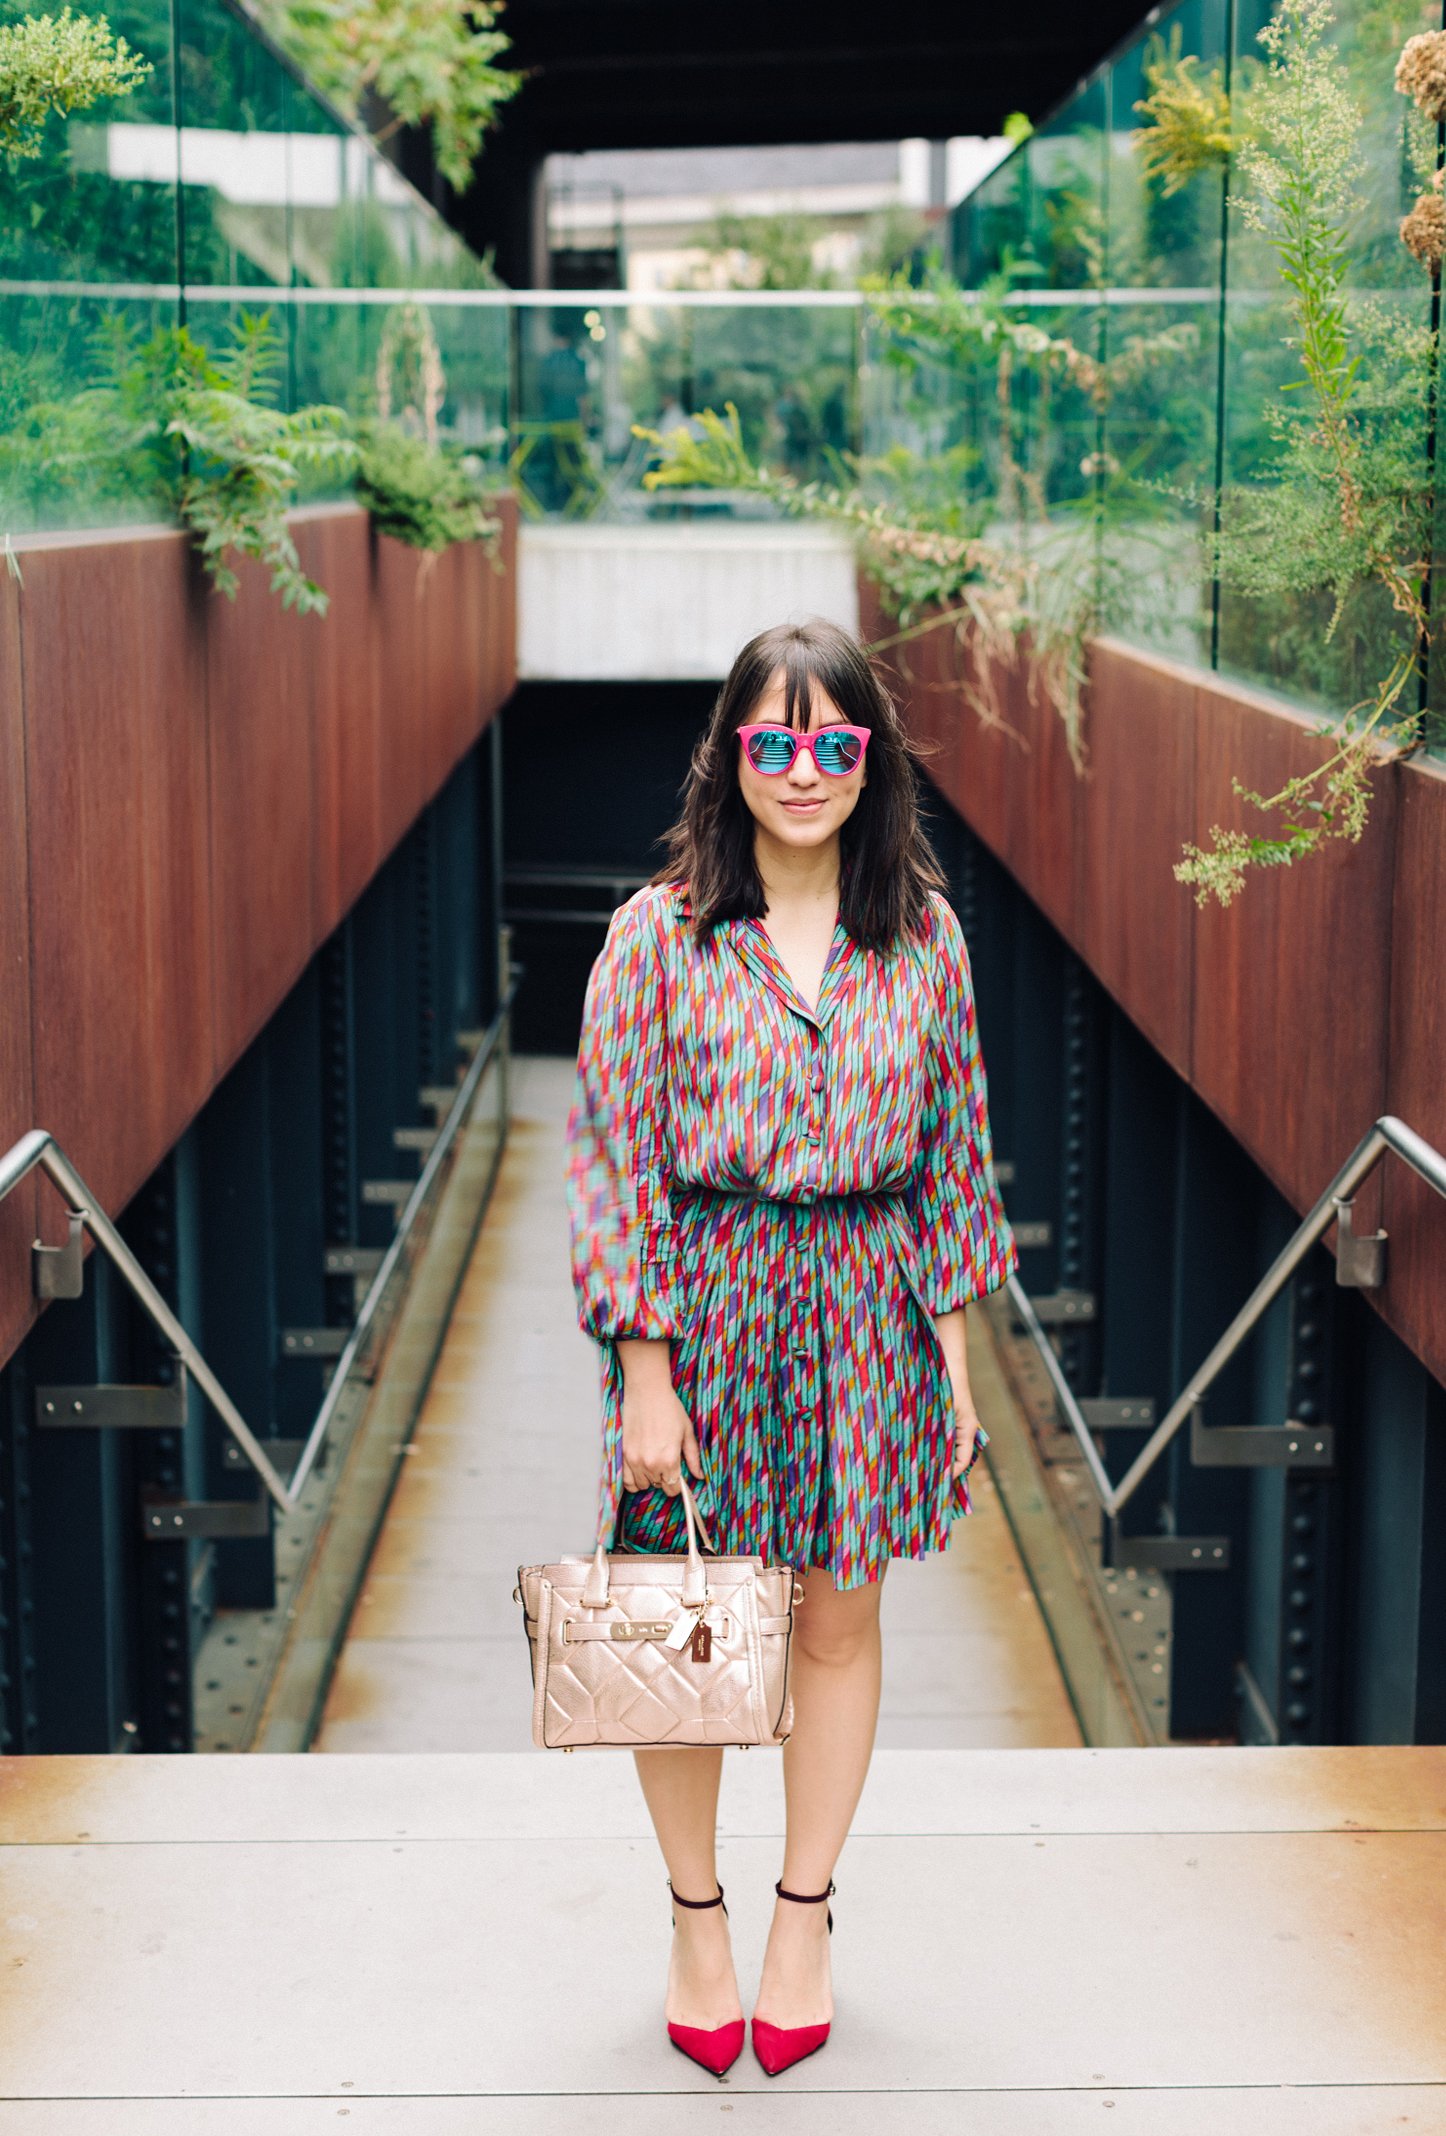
x=17, y=1091
x=1414, y=1216
x=116, y=746
x=1290, y=1025
x=346, y=715
x=1136, y=926
x=260, y=658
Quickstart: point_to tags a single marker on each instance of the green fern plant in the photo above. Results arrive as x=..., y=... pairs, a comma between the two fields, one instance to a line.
x=169, y=427
x=1186, y=113
x=432, y=62
x=245, y=458
x=421, y=493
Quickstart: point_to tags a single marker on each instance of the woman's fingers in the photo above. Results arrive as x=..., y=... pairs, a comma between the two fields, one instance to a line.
x=692, y=1456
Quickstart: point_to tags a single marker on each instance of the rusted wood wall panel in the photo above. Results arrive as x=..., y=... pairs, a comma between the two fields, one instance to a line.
x=1009, y=774
x=1136, y=928
x=194, y=793
x=401, y=643
x=502, y=611
x=1289, y=1030
x=260, y=661
x=346, y=714
x=1301, y=1012
x=116, y=744
x=1414, y=1216
x=17, y=1095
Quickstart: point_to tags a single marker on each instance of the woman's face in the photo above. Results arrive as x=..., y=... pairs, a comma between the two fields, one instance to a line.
x=802, y=806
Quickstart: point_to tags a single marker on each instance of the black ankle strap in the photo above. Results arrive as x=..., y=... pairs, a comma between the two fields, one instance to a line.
x=806, y=1898
x=698, y=1905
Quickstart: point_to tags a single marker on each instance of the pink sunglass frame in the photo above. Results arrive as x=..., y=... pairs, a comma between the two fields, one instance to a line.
x=803, y=741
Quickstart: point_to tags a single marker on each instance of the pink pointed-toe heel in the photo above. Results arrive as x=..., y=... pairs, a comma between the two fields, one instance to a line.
x=716, y=2050
x=778, y=2047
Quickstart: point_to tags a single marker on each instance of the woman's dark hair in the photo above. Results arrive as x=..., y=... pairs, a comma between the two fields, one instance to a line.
x=887, y=865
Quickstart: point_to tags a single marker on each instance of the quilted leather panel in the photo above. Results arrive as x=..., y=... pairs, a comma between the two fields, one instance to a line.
x=638, y=1692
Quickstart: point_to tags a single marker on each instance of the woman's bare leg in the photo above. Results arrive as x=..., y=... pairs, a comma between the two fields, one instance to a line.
x=681, y=1791
x=837, y=1670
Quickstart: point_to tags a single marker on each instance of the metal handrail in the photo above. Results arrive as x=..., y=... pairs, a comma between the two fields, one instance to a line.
x=39, y=1149
x=1388, y=1133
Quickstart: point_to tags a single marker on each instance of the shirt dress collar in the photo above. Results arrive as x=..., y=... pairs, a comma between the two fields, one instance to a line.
x=751, y=943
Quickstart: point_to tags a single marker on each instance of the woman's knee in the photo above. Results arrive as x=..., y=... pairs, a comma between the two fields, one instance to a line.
x=836, y=1628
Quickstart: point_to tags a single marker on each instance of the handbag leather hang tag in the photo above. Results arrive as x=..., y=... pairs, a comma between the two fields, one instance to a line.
x=702, y=1644
x=684, y=1630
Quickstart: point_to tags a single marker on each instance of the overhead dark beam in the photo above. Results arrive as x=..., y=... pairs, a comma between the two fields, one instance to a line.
x=651, y=73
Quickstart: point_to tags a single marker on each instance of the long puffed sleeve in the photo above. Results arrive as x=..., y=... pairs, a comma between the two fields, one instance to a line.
x=619, y=1214
x=966, y=1246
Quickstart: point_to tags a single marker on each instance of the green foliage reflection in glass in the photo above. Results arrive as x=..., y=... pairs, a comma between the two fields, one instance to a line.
x=1053, y=472
x=1336, y=537
x=196, y=435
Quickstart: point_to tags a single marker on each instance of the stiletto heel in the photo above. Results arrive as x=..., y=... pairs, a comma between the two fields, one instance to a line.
x=779, y=2046
x=716, y=2050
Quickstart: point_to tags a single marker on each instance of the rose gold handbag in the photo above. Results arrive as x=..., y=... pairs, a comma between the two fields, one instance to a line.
x=633, y=1649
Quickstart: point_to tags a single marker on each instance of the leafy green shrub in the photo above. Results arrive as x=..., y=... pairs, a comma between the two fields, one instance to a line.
x=58, y=63
x=431, y=61
x=169, y=427
x=421, y=493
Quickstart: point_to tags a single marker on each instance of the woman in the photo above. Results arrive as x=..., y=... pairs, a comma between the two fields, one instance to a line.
x=781, y=1194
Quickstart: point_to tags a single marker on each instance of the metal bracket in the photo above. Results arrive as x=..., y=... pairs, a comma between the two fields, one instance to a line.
x=314, y=1342
x=115, y=1408
x=1360, y=1256
x=173, y=1520
x=1054, y=1308
x=1288, y=1446
x=415, y=1138
x=441, y=1096
x=353, y=1260
x=393, y=1193
x=1004, y=1171
x=1131, y=1414
x=59, y=1271
x=285, y=1453
x=1040, y=1233
x=1168, y=1553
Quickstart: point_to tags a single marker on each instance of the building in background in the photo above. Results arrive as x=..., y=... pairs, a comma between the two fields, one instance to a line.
x=803, y=216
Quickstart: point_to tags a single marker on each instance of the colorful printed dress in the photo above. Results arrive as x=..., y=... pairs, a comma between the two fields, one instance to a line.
x=790, y=1197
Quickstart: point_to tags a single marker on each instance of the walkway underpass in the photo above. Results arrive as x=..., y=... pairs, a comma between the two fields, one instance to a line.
x=1191, y=1938
x=502, y=1469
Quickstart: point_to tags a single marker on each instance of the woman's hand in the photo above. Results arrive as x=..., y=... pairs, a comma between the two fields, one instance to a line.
x=954, y=1341
x=658, y=1437
x=966, y=1424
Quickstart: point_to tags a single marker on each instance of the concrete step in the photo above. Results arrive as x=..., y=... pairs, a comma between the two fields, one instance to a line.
x=1184, y=1939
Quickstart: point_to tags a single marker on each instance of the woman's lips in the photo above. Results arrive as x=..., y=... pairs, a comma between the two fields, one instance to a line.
x=803, y=808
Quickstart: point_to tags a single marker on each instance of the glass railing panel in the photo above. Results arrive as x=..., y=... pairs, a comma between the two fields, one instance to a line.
x=588, y=372
x=88, y=278
x=1164, y=247
x=1289, y=641
x=988, y=228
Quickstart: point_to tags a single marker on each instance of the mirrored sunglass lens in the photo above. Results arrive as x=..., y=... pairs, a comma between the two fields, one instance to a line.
x=771, y=752
x=836, y=752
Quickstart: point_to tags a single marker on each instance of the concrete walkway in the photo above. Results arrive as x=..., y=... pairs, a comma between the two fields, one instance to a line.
x=463, y=1935
x=1030, y=1943
x=503, y=1469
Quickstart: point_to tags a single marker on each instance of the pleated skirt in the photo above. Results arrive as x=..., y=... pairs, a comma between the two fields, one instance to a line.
x=816, y=1382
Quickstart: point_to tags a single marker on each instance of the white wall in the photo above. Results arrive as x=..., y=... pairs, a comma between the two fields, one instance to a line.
x=670, y=603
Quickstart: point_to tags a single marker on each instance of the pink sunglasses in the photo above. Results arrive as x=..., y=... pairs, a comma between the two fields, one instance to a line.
x=836, y=751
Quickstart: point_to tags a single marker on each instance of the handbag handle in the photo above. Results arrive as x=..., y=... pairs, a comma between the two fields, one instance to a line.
x=695, y=1578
